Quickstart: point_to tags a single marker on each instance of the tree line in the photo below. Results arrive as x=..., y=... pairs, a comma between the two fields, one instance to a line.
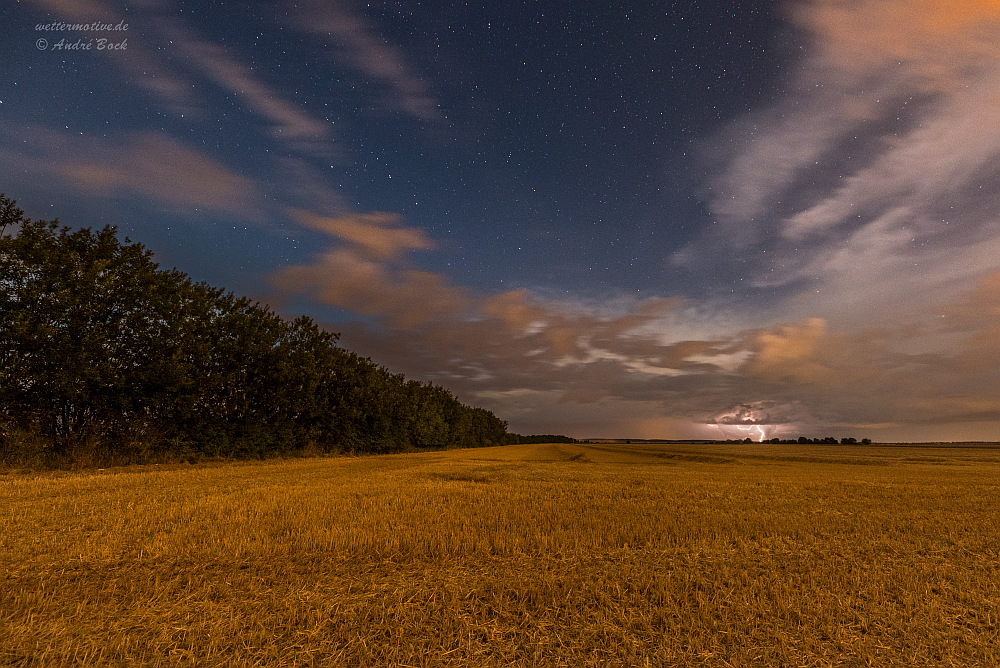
x=517, y=439
x=106, y=357
x=803, y=440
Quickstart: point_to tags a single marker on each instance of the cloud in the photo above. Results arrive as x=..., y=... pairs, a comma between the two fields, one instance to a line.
x=143, y=66
x=371, y=234
x=289, y=124
x=364, y=49
x=870, y=185
x=754, y=413
x=934, y=37
x=757, y=420
x=551, y=366
x=404, y=298
x=82, y=11
x=364, y=274
x=502, y=348
x=177, y=42
x=975, y=315
x=459, y=332
x=149, y=165
x=168, y=57
x=793, y=352
x=302, y=185
x=864, y=213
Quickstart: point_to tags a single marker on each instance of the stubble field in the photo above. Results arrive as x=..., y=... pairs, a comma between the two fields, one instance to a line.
x=533, y=555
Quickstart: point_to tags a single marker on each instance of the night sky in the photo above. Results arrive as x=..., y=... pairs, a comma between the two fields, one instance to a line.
x=647, y=220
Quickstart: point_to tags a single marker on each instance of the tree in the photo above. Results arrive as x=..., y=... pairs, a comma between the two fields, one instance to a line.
x=100, y=346
x=80, y=315
x=9, y=214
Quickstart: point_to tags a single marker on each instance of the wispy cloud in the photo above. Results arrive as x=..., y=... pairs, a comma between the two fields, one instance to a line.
x=160, y=41
x=627, y=372
x=361, y=47
x=369, y=272
x=375, y=234
x=864, y=207
x=289, y=124
x=145, y=65
x=82, y=11
x=503, y=348
x=148, y=165
x=870, y=183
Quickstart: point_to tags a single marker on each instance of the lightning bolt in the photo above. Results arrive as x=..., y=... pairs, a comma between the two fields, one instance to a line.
x=751, y=428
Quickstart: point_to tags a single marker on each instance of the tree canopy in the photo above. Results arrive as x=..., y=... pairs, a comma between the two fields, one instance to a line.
x=104, y=353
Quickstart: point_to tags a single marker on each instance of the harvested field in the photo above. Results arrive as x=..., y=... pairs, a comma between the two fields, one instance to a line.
x=558, y=555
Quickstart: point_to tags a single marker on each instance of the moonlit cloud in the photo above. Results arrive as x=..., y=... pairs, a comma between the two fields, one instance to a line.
x=512, y=337
x=866, y=205
x=289, y=123
x=148, y=165
x=373, y=234
x=870, y=185
x=527, y=357
x=160, y=41
x=361, y=47
x=76, y=10
x=532, y=358
x=144, y=65
x=403, y=298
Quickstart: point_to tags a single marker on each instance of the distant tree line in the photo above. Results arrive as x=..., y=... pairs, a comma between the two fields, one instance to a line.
x=517, y=439
x=106, y=357
x=829, y=440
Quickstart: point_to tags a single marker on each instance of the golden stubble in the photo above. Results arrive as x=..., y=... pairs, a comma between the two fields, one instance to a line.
x=688, y=555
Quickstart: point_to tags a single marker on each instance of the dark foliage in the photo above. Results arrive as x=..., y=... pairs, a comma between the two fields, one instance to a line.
x=517, y=439
x=829, y=440
x=106, y=357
